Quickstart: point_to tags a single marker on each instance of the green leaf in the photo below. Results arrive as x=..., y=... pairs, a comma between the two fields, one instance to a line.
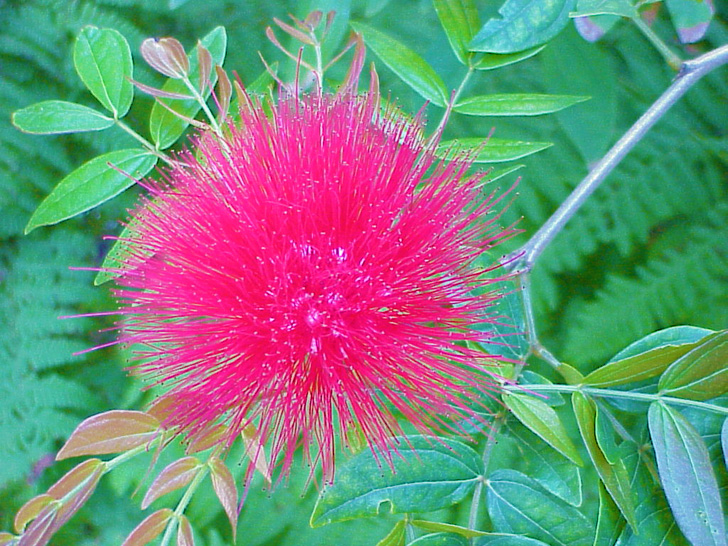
x=436, y=526
x=524, y=24
x=491, y=61
x=724, y=440
x=687, y=476
x=613, y=476
x=410, y=67
x=538, y=416
x=654, y=519
x=702, y=373
x=622, y=8
x=440, y=539
x=489, y=150
x=519, y=505
x=93, y=183
x=516, y=104
x=396, y=536
x=690, y=18
x=164, y=126
x=648, y=357
x=103, y=61
x=460, y=20
x=532, y=456
x=57, y=116
x=609, y=520
x=428, y=474
x=508, y=540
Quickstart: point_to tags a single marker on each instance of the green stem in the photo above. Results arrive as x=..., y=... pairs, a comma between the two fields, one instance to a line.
x=670, y=56
x=203, y=104
x=121, y=459
x=625, y=395
x=490, y=442
x=144, y=142
x=182, y=504
x=452, y=102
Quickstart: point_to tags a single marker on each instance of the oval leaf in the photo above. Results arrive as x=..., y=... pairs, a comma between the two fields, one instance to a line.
x=519, y=505
x=40, y=531
x=174, y=476
x=516, y=104
x=184, y=533
x=149, y=529
x=30, y=510
x=73, y=501
x=523, y=24
x=110, y=432
x=227, y=493
x=92, y=184
x=690, y=18
x=541, y=418
x=687, y=476
x=428, y=474
x=460, y=20
x=57, y=116
x=488, y=150
x=648, y=357
x=74, y=478
x=166, y=127
x=613, y=476
x=410, y=67
x=491, y=61
x=702, y=373
x=103, y=61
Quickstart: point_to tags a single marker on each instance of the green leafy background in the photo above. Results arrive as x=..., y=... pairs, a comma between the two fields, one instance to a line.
x=649, y=250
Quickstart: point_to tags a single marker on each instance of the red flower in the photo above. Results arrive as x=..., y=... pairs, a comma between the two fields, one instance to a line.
x=308, y=274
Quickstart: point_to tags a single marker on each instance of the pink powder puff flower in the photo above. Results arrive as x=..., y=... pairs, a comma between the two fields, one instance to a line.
x=310, y=274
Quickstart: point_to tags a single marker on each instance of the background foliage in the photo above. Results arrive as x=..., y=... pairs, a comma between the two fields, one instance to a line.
x=648, y=251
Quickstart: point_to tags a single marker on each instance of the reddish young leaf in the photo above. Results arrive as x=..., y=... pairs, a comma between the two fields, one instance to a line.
x=312, y=20
x=162, y=408
x=204, y=61
x=79, y=496
x=224, y=485
x=297, y=34
x=74, y=478
x=184, y=533
x=149, y=529
x=206, y=440
x=173, y=477
x=255, y=451
x=30, y=510
x=40, y=531
x=6, y=539
x=166, y=55
x=154, y=92
x=110, y=432
x=224, y=92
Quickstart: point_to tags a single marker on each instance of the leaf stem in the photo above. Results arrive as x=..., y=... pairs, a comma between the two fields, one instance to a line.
x=523, y=259
x=183, y=502
x=670, y=56
x=625, y=395
x=448, y=110
x=487, y=450
x=144, y=142
x=203, y=104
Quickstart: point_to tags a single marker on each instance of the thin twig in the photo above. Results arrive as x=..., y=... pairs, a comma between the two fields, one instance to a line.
x=523, y=259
